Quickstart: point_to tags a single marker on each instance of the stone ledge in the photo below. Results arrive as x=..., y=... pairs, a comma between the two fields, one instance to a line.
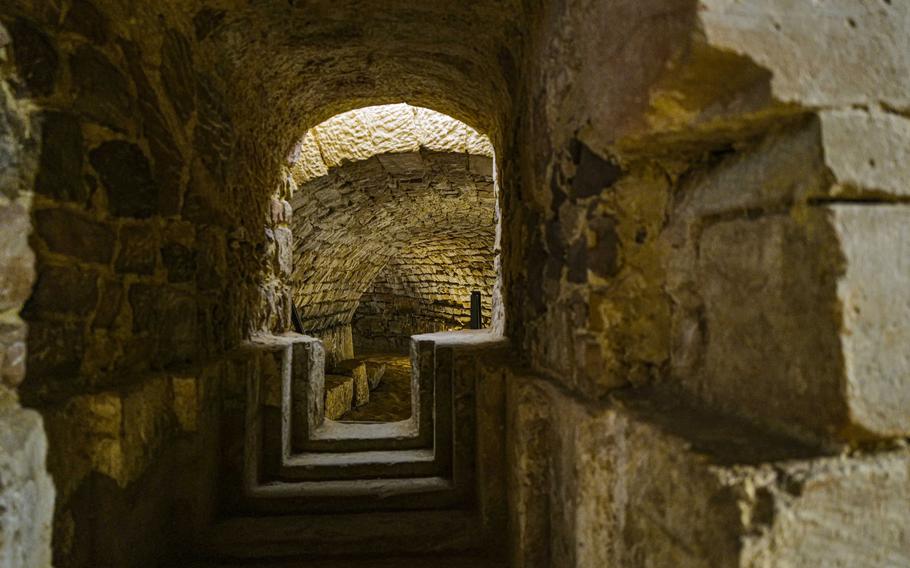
x=755, y=500
x=650, y=480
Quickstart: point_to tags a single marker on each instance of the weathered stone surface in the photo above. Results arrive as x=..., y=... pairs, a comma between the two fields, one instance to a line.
x=16, y=258
x=206, y=21
x=375, y=370
x=284, y=252
x=144, y=302
x=60, y=169
x=75, y=235
x=809, y=317
x=111, y=294
x=357, y=370
x=54, y=350
x=214, y=130
x=187, y=401
x=879, y=164
x=650, y=481
x=166, y=154
x=36, y=59
x=26, y=492
x=212, y=261
x=180, y=262
x=62, y=290
x=102, y=92
x=125, y=172
x=12, y=354
x=85, y=19
x=138, y=249
x=339, y=395
x=177, y=329
x=593, y=174
x=177, y=73
x=874, y=295
x=839, y=54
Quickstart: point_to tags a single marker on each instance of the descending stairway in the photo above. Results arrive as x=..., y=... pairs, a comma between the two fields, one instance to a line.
x=301, y=489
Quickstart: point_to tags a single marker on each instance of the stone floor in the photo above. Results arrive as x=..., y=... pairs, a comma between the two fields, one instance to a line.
x=391, y=400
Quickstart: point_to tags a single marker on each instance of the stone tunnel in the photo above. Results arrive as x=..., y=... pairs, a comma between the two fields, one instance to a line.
x=239, y=243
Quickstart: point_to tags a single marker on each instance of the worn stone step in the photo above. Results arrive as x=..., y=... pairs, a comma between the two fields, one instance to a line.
x=302, y=537
x=305, y=497
x=360, y=465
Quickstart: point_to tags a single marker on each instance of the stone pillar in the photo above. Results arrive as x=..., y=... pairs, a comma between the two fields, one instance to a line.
x=26, y=491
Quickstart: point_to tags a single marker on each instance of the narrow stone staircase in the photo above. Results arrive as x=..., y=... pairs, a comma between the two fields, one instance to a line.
x=301, y=489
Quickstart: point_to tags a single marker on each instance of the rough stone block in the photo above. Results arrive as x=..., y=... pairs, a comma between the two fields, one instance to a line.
x=679, y=487
x=357, y=371
x=12, y=353
x=409, y=163
x=806, y=320
x=16, y=258
x=36, y=59
x=842, y=52
x=138, y=249
x=75, y=235
x=648, y=480
x=284, y=241
x=125, y=171
x=26, y=490
x=187, y=401
x=102, y=91
x=880, y=163
x=339, y=395
x=180, y=262
x=64, y=290
x=60, y=168
x=375, y=371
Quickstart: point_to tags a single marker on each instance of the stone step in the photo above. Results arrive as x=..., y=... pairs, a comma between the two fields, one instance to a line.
x=358, y=495
x=360, y=465
x=304, y=537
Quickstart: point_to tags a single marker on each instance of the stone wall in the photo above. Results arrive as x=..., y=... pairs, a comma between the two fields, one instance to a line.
x=425, y=295
x=728, y=256
x=145, y=271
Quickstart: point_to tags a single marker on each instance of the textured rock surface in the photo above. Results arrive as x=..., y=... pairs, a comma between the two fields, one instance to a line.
x=26, y=491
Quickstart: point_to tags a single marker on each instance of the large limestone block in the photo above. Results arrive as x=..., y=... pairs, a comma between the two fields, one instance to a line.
x=26, y=490
x=650, y=480
x=867, y=151
x=684, y=488
x=805, y=320
x=339, y=395
x=357, y=370
x=837, y=52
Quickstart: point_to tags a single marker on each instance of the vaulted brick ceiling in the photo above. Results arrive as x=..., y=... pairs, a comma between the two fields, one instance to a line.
x=418, y=195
